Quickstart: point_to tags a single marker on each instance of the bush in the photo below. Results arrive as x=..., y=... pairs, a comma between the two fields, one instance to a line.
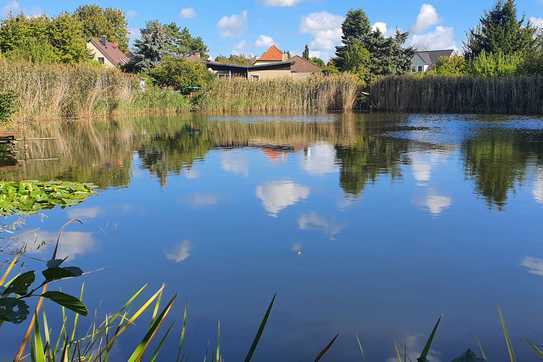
x=533, y=64
x=454, y=66
x=496, y=65
x=181, y=75
x=8, y=105
x=35, y=51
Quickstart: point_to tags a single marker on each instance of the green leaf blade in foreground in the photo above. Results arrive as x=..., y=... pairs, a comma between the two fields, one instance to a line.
x=57, y=273
x=510, y=350
x=20, y=284
x=67, y=301
x=261, y=327
x=426, y=351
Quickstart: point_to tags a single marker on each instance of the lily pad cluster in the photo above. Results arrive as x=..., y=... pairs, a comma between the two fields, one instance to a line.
x=29, y=197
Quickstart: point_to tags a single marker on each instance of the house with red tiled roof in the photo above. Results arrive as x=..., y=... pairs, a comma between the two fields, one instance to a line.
x=272, y=64
x=107, y=53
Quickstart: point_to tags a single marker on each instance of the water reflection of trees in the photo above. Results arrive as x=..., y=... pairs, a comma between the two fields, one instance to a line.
x=498, y=159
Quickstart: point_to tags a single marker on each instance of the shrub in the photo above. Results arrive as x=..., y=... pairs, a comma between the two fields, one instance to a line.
x=533, y=64
x=496, y=65
x=454, y=66
x=181, y=75
x=8, y=102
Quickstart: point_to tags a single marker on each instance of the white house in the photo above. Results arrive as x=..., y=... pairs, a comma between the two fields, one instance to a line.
x=107, y=53
x=424, y=61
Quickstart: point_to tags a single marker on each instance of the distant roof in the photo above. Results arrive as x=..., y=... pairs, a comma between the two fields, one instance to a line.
x=110, y=50
x=431, y=57
x=301, y=65
x=273, y=54
x=216, y=65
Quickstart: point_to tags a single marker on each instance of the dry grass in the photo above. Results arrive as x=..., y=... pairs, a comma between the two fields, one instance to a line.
x=60, y=91
x=503, y=95
x=315, y=94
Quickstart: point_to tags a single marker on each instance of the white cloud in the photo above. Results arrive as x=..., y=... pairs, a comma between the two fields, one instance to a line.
x=279, y=195
x=180, y=252
x=188, y=13
x=11, y=8
x=427, y=17
x=533, y=265
x=436, y=204
x=320, y=159
x=315, y=221
x=281, y=3
x=381, y=26
x=83, y=212
x=234, y=162
x=538, y=23
x=440, y=38
x=233, y=25
x=264, y=41
x=421, y=168
x=325, y=29
x=538, y=186
x=72, y=243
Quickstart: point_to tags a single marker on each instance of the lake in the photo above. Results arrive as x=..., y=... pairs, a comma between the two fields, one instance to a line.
x=371, y=225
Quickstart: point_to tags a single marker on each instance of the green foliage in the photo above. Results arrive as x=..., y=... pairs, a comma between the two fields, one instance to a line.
x=159, y=41
x=533, y=64
x=107, y=22
x=500, y=31
x=355, y=26
x=44, y=40
x=318, y=62
x=357, y=60
x=8, y=105
x=29, y=197
x=182, y=75
x=305, y=54
x=454, y=66
x=496, y=64
x=236, y=59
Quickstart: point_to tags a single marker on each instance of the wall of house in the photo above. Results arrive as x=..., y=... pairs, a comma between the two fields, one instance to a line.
x=270, y=74
x=301, y=75
x=416, y=63
x=96, y=55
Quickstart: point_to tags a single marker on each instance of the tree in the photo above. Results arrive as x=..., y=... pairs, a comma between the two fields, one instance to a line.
x=500, y=31
x=109, y=22
x=356, y=60
x=496, y=64
x=158, y=41
x=454, y=66
x=305, y=55
x=35, y=51
x=239, y=59
x=355, y=26
x=182, y=75
x=318, y=62
x=66, y=36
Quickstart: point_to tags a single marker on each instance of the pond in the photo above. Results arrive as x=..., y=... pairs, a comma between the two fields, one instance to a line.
x=369, y=225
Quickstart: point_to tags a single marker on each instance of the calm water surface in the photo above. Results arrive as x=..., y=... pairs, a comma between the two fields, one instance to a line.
x=363, y=224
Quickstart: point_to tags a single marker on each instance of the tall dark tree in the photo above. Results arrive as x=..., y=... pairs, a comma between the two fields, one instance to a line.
x=306, y=53
x=500, y=31
x=108, y=22
x=355, y=27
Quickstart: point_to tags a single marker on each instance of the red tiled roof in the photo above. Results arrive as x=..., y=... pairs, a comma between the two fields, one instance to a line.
x=274, y=54
x=111, y=51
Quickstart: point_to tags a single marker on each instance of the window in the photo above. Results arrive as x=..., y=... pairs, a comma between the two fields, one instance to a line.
x=101, y=60
x=420, y=68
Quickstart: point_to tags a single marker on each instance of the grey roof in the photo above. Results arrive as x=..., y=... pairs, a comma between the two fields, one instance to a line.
x=431, y=57
x=249, y=67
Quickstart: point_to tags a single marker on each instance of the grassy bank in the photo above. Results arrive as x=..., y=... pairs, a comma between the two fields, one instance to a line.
x=503, y=95
x=315, y=94
x=77, y=91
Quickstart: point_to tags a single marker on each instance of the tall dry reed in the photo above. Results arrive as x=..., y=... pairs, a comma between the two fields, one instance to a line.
x=499, y=95
x=314, y=94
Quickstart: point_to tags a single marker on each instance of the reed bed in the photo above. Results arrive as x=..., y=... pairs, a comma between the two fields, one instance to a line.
x=504, y=95
x=314, y=94
x=60, y=91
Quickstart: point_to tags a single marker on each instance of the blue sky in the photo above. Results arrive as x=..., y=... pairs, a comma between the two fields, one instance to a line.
x=249, y=26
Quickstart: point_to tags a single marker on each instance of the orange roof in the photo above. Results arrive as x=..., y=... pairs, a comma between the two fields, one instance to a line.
x=272, y=54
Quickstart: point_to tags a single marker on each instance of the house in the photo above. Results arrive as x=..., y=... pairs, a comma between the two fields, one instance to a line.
x=107, y=53
x=273, y=64
x=424, y=61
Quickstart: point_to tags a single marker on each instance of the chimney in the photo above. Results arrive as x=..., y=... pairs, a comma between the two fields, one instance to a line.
x=103, y=40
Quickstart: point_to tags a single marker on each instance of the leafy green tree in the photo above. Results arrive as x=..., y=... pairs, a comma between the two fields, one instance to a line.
x=305, y=54
x=108, y=22
x=67, y=37
x=500, y=31
x=16, y=31
x=235, y=59
x=454, y=66
x=158, y=41
x=496, y=64
x=182, y=75
x=356, y=60
x=355, y=26
x=34, y=51
x=318, y=62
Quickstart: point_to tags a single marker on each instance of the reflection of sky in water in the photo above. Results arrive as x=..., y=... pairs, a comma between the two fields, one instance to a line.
x=375, y=238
